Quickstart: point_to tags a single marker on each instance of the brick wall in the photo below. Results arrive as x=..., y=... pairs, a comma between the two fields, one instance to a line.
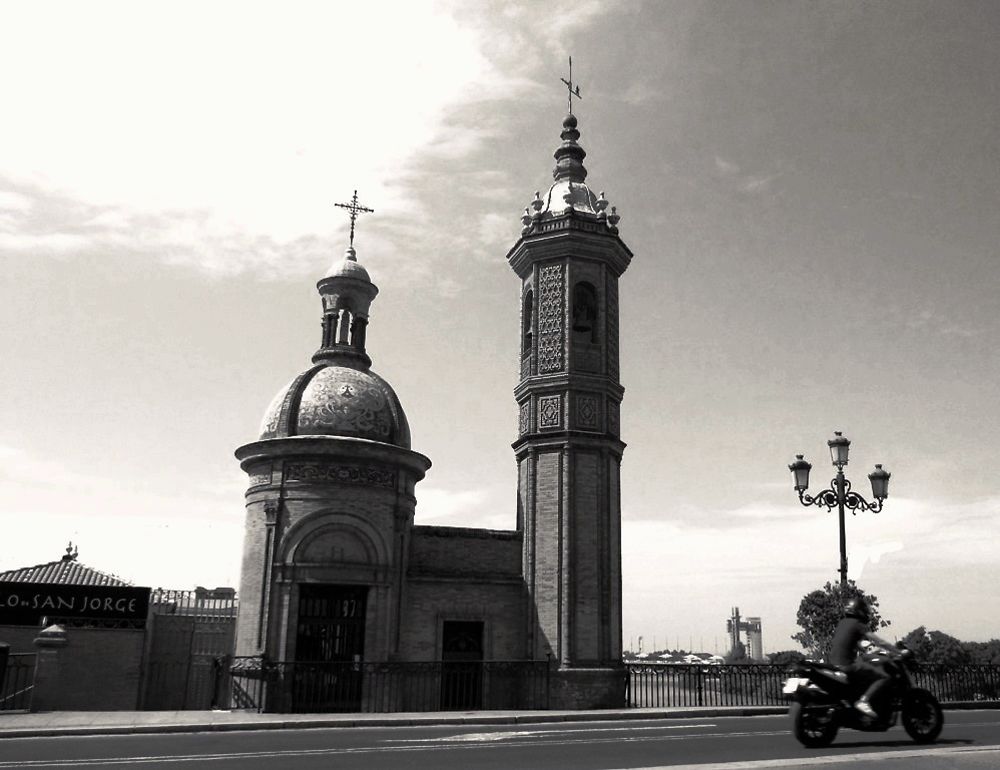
x=547, y=554
x=429, y=602
x=20, y=638
x=587, y=558
x=459, y=551
x=457, y=573
x=97, y=670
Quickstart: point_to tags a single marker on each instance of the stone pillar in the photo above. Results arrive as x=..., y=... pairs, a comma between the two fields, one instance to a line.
x=47, y=691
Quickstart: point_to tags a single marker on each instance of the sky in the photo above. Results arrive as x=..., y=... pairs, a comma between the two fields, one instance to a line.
x=810, y=191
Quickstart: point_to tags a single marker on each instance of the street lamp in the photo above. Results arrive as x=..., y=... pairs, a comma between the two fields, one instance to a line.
x=839, y=494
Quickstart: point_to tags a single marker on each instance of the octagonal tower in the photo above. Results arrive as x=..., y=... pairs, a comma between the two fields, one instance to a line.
x=569, y=259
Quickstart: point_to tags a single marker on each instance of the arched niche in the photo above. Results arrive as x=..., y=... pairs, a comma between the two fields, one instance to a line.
x=585, y=313
x=334, y=538
x=527, y=322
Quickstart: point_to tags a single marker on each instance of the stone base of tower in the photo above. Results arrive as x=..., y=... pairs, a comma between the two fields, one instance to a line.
x=588, y=688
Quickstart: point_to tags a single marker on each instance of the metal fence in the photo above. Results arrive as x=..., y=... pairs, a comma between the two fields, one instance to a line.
x=250, y=683
x=970, y=682
x=657, y=685
x=653, y=685
x=187, y=631
x=18, y=679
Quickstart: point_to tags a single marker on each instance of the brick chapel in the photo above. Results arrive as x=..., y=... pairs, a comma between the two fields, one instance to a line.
x=334, y=567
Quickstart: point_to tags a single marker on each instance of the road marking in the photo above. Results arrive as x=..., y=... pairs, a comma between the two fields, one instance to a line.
x=503, y=736
x=838, y=759
x=289, y=753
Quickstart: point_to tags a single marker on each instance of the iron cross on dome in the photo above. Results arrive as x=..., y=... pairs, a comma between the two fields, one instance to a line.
x=355, y=208
x=569, y=86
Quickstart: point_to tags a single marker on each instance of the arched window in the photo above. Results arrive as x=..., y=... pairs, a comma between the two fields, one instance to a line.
x=584, y=313
x=527, y=323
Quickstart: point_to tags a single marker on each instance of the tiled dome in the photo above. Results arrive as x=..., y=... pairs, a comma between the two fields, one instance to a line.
x=331, y=400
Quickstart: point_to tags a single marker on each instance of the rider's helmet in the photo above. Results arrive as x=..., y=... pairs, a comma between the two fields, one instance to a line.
x=857, y=607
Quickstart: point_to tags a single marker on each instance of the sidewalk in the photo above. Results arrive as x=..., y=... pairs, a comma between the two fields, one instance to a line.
x=54, y=723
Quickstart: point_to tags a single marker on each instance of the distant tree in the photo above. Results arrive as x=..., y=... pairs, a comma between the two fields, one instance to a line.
x=786, y=657
x=937, y=647
x=984, y=652
x=821, y=610
x=737, y=655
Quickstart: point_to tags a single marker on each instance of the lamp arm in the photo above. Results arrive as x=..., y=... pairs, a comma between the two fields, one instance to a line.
x=856, y=502
x=827, y=498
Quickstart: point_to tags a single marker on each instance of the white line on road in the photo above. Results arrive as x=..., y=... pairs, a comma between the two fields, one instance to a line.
x=837, y=759
x=503, y=736
x=442, y=746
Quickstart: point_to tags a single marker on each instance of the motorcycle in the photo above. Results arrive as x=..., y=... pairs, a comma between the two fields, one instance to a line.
x=822, y=700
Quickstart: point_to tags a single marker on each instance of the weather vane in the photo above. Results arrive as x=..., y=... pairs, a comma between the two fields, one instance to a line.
x=569, y=86
x=355, y=208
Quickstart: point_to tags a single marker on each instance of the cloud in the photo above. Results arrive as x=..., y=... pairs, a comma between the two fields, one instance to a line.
x=746, y=183
x=197, y=167
x=115, y=521
x=933, y=320
x=476, y=507
x=639, y=92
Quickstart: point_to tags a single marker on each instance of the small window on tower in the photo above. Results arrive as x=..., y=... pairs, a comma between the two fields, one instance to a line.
x=584, y=313
x=526, y=323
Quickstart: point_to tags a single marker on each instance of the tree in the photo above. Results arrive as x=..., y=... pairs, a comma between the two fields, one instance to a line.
x=786, y=657
x=984, y=652
x=821, y=610
x=738, y=655
x=937, y=647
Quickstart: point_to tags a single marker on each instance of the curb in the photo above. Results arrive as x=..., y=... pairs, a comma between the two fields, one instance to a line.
x=388, y=721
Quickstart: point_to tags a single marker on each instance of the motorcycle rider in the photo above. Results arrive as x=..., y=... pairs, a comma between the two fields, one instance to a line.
x=851, y=630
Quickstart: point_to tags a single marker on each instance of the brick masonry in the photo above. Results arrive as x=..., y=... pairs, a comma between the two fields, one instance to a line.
x=97, y=669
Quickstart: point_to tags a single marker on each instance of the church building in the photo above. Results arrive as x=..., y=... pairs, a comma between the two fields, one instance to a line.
x=334, y=568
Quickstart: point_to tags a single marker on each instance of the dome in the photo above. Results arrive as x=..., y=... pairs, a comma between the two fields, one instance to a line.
x=566, y=196
x=330, y=400
x=348, y=267
x=569, y=197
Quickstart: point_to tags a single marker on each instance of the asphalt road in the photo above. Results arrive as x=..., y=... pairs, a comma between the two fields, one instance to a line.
x=971, y=740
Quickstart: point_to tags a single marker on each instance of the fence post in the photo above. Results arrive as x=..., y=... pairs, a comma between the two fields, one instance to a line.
x=701, y=689
x=4, y=654
x=548, y=679
x=48, y=669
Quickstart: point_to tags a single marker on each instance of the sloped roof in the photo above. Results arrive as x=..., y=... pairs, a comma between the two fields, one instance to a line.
x=66, y=571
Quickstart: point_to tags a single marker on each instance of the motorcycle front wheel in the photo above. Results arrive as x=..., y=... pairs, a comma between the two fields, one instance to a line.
x=814, y=726
x=922, y=718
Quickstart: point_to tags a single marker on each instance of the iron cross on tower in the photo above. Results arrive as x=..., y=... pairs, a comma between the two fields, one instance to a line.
x=355, y=208
x=569, y=86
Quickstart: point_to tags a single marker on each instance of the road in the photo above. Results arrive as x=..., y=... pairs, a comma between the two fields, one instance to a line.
x=970, y=741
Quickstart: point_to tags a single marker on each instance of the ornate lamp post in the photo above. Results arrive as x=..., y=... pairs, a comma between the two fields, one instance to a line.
x=839, y=494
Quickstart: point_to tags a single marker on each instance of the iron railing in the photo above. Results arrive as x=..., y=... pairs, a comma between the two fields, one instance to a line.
x=18, y=679
x=664, y=685
x=961, y=683
x=252, y=683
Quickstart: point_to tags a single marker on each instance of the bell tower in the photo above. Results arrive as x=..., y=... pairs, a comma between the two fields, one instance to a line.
x=569, y=259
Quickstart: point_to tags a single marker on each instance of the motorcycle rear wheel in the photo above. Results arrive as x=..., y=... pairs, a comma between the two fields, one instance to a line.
x=813, y=726
x=921, y=716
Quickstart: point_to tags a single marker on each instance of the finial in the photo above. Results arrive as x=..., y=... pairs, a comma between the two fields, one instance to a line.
x=569, y=155
x=355, y=208
x=569, y=87
x=71, y=552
